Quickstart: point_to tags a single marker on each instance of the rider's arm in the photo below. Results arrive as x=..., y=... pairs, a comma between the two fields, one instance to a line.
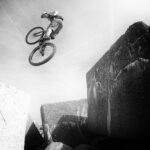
x=59, y=17
x=48, y=16
x=51, y=17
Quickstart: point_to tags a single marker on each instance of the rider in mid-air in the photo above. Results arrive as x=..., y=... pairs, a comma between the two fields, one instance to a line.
x=55, y=24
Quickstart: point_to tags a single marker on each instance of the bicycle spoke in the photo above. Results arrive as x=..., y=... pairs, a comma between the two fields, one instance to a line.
x=40, y=56
x=37, y=55
x=34, y=35
x=48, y=51
x=37, y=34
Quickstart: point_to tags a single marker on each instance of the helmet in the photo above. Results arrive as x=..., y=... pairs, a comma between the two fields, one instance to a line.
x=54, y=13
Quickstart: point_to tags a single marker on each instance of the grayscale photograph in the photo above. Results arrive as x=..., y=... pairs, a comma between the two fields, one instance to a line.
x=74, y=74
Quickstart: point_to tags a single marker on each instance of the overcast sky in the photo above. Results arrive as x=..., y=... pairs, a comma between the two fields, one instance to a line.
x=90, y=28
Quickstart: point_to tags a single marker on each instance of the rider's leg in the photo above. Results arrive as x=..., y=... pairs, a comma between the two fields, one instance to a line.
x=57, y=30
x=48, y=33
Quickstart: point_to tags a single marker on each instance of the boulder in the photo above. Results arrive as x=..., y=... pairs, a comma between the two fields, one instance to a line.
x=14, y=106
x=85, y=147
x=33, y=138
x=70, y=130
x=63, y=118
x=58, y=146
x=118, y=87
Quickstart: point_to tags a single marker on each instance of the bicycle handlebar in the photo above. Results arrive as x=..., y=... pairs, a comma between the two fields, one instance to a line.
x=46, y=15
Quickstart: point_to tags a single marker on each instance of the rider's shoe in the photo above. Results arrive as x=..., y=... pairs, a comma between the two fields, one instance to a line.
x=45, y=38
x=52, y=36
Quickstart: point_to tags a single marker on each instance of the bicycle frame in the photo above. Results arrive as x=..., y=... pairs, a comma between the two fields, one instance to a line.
x=37, y=34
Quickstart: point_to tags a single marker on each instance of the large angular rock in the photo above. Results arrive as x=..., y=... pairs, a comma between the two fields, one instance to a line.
x=14, y=105
x=51, y=113
x=33, y=138
x=58, y=146
x=70, y=130
x=85, y=147
x=56, y=113
x=118, y=87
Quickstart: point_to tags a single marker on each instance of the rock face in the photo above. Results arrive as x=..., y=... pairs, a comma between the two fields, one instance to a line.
x=66, y=122
x=58, y=146
x=70, y=130
x=51, y=113
x=14, y=105
x=85, y=147
x=33, y=139
x=61, y=116
x=118, y=87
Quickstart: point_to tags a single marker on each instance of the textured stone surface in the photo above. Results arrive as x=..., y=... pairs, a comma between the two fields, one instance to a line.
x=119, y=144
x=14, y=105
x=118, y=87
x=53, y=114
x=33, y=139
x=58, y=146
x=85, y=147
x=70, y=130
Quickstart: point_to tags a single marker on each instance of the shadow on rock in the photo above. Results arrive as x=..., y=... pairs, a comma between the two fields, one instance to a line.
x=70, y=130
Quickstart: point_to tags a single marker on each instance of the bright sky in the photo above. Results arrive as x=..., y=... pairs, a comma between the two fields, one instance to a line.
x=90, y=28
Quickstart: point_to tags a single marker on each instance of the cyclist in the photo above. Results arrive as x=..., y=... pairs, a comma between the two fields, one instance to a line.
x=55, y=24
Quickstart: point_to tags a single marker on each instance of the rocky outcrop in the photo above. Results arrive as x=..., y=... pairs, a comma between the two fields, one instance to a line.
x=65, y=121
x=118, y=87
x=70, y=130
x=58, y=146
x=51, y=113
x=118, y=101
x=14, y=105
x=33, y=138
x=85, y=147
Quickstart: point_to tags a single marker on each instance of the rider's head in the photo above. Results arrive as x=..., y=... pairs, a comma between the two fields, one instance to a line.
x=54, y=13
x=47, y=15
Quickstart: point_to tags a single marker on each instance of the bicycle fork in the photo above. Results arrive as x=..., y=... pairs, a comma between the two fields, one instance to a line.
x=41, y=48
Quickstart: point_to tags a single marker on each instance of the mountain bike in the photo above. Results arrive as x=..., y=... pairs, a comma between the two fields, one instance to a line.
x=44, y=51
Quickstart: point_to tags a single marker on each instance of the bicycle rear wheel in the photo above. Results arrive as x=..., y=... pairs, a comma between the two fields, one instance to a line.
x=34, y=35
x=42, y=54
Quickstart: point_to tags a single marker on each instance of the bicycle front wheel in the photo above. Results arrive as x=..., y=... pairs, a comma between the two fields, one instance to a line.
x=34, y=35
x=42, y=54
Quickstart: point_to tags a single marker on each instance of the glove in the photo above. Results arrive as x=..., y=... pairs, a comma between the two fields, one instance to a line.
x=59, y=17
x=42, y=16
x=62, y=18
